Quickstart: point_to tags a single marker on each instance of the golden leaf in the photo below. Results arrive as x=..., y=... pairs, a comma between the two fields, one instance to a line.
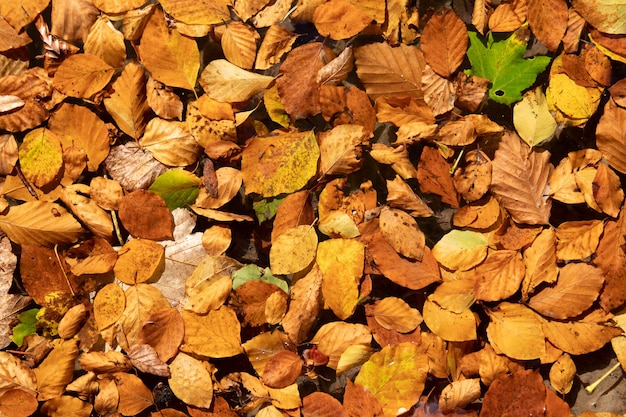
x=20, y=14
x=341, y=262
x=128, y=104
x=96, y=219
x=450, y=326
x=40, y=223
x=194, y=12
x=293, y=250
x=459, y=394
x=171, y=58
x=163, y=100
x=57, y=370
x=540, y=261
x=332, y=339
x=508, y=17
x=609, y=137
x=339, y=19
x=83, y=75
x=140, y=260
x=402, y=196
x=401, y=231
x=16, y=374
x=228, y=83
x=106, y=42
x=216, y=334
x=397, y=157
x=229, y=182
x=460, y=249
x=276, y=42
x=562, y=373
x=260, y=348
x=444, y=42
x=109, y=305
x=104, y=362
x=576, y=289
x=395, y=314
x=399, y=69
x=134, y=395
x=33, y=92
x=41, y=156
x=66, y=405
x=141, y=301
x=341, y=149
x=499, y=276
x=395, y=376
x=191, y=380
x=239, y=43
x=170, y=142
x=578, y=239
x=516, y=331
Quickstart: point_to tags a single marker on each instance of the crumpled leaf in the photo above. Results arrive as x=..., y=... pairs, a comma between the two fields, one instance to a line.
x=191, y=380
x=503, y=63
x=33, y=92
x=133, y=167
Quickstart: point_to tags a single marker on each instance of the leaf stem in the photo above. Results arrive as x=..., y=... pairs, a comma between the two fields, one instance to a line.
x=591, y=387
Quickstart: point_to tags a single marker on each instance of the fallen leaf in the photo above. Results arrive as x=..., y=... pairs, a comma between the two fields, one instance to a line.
x=239, y=42
x=524, y=390
x=191, y=380
x=562, y=374
x=359, y=401
x=508, y=16
x=141, y=301
x=459, y=394
x=609, y=137
x=394, y=313
x=402, y=232
x=603, y=15
x=540, y=260
x=433, y=175
x=216, y=334
x=304, y=306
x=228, y=83
x=163, y=330
x=341, y=149
x=578, y=239
x=64, y=405
x=532, y=119
x=140, y=260
x=516, y=331
x=56, y=371
x=395, y=376
x=18, y=403
x=106, y=42
x=499, y=276
x=158, y=226
x=339, y=19
x=277, y=41
x=450, y=326
x=134, y=395
x=40, y=156
x=82, y=75
x=444, y=42
x=282, y=369
x=32, y=91
x=548, y=21
x=293, y=250
x=332, y=339
x=460, y=249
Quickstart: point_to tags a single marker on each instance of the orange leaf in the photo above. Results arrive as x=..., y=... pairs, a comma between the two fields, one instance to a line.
x=609, y=137
x=508, y=16
x=83, y=75
x=198, y=12
x=239, y=43
x=450, y=326
x=540, y=261
x=358, y=401
x=216, y=334
x=339, y=19
x=320, y=404
x=34, y=92
x=444, y=42
x=499, y=276
x=304, y=307
x=171, y=58
x=519, y=179
x=578, y=239
x=516, y=331
x=276, y=42
x=394, y=313
x=611, y=259
x=548, y=21
x=158, y=226
x=433, y=175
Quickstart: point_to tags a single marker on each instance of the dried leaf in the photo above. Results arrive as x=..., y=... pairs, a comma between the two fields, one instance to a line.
x=56, y=371
x=18, y=403
x=562, y=374
x=170, y=142
x=499, y=276
x=460, y=249
x=82, y=75
x=204, y=12
x=394, y=314
x=141, y=301
x=216, y=334
x=239, y=42
x=609, y=138
x=158, y=226
x=163, y=330
x=519, y=178
x=106, y=42
x=171, y=58
x=402, y=232
x=444, y=42
x=339, y=19
x=540, y=261
x=340, y=149
x=332, y=339
x=293, y=250
x=396, y=376
x=448, y=325
x=578, y=239
x=341, y=262
x=548, y=21
x=433, y=175
x=459, y=394
x=399, y=69
x=276, y=42
x=41, y=157
x=140, y=260
x=304, y=306
x=134, y=395
x=191, y=380
x=516, y=331
x=40, y=223
x=228, y=83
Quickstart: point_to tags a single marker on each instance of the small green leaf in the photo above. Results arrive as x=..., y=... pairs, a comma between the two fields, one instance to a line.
x=177, y=187
x=503, y=63
x=266, y=208
x=255, y=273
x=26, y=326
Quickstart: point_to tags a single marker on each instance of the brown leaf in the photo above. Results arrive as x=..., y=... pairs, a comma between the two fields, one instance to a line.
x=252, y=298
x=337, y=70
x=540, y=261
x=519, y=393
x=134, y=395
x=509, y=16
x=164, y=331
x=297, y=85
x=304, y=306
x=548, y=21
x=499, y=276
x=401, y=231
x=472, y=180
x=478, y=216
x=262, y=347
x=145, y=359
x=516, y=331
x=439, y=92
x=444, y=42
x=158, y=226
x=609, y=137
x=334, y=338
x=34, y=92
x=387, y=71
x=66, y=405
x=18, y=403
x=276, y=42
x=403, y=110
x=384, y=336
x=320, y=404
x=347, y=105
x=104, y=362
x=410, y=274
x=109, y=305
x=519, y=179
x=295, y=210
x=339, y=19
x=433, y=175
x=282, y=369
x=341, y=149
x=611, y=259
x=575, y=291
x=37, y=261
x=141, y=301
x=359, y=402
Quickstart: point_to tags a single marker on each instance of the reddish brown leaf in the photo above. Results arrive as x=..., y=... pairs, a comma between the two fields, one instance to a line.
x=320, y=404
x=521, y=393
x=159, y=225
x=433, y=175
x=444, y=42
x=282, y=369
x=548, y=21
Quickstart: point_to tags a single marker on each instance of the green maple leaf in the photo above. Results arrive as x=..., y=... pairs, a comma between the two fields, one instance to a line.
x=503, y=63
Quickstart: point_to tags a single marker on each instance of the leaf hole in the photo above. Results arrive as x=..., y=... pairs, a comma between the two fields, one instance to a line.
x=499, y=93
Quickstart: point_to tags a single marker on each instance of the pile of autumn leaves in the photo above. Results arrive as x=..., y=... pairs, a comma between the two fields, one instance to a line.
x=173, y=301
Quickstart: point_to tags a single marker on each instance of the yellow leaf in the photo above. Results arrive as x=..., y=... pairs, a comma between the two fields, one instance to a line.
x=40, y=223
x=562, y=373
x=395, y=376
x=171, y=58
x=341, y=262
x=459, y=394
x=228, y=83
x=135, y=396
x=332, y=339
x=293, y=250
x=109, y=305
x=229, y=182
x=578, y=239
x=262, y=347
x=95, y=218
x=239, y=43
x=57, y=370
x=450, y=326
x=141, y=301
x=216, y=334
x=279, y=164
x=41, y=156
x=573, y=103
x=117, y=6
x=140, y=260
x=170, y=142
x=499, y=276
x=83, y=75
x=354, y=355
x=532, y=118
x=395, y=314
x=516, y=331
x=128, y=103
x=191, y=380
x=198, y=12
x=340, y=149
x=19, y=14
x=106, y=42
x=460, y=249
